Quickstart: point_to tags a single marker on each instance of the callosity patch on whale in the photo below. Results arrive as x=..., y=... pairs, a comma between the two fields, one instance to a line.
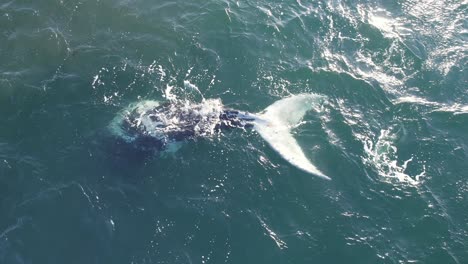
x=274, y=124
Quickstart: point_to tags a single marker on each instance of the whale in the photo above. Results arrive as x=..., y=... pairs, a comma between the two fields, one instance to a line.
x=154, y=126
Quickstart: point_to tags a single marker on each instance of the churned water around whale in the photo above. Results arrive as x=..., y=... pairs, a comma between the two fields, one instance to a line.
x=390, y=132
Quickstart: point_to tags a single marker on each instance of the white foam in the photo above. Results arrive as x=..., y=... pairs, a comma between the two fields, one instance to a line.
x=416, y=100
x=454, y=108
x=382, y=154
x=168, y=93
x=191, y=86
x=382, y=20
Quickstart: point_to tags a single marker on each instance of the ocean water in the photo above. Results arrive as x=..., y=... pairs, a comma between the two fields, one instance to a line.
x=392, y=134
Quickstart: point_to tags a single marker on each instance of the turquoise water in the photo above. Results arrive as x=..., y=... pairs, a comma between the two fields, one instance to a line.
x=392, y=134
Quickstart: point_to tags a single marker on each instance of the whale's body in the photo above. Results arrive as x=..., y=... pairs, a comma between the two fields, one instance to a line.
x=155, y=126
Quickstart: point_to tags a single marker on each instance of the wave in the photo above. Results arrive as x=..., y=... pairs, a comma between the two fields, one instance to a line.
x=455, y=108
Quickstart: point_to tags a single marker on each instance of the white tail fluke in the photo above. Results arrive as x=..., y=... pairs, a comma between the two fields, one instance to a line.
x=274, y=124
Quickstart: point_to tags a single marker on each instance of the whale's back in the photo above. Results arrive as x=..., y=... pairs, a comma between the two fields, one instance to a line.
x=166, y=122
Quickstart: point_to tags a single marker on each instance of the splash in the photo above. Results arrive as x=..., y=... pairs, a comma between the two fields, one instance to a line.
x=383, y=156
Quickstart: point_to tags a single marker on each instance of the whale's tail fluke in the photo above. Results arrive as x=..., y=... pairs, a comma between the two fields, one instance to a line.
x=274, y=124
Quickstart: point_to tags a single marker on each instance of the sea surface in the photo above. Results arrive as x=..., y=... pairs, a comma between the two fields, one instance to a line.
x=392, y=134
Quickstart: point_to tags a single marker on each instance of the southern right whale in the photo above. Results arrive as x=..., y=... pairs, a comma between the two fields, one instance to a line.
x=155, y=126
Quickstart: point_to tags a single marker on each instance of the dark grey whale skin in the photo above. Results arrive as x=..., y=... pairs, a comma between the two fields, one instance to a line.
x=145, y=146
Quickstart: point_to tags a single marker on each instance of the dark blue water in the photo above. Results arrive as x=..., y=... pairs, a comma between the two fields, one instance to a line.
x=392, y=133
